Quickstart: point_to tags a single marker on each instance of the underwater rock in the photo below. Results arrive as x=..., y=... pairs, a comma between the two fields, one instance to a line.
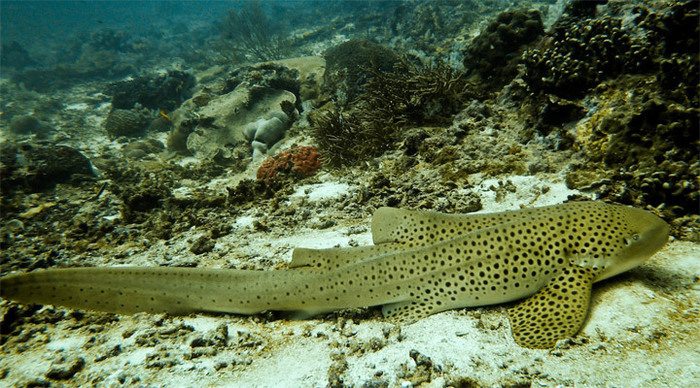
x=39, y=167
x=155, y=91
x=426, y=24
x=255, y=107
x=203, y=244
x=126, y=122
x=495, y=54
x=108, y=39
x=676, y=32
x=297, y=162
x=350, y=64
x=583, y=8
x=310, y=75
x=66, y=369
x=233, y=118
x=91, y=65
x=644, y=145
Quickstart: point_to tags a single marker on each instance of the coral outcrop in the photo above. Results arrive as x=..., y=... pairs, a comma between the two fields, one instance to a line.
x=254, y=108
x=495, y=54
x=126, y=122
x=156, y=91
x=40, y=167
x=349, y=66
x=26, y=124
x=640, y=149
x=409, y=94
x=579, y=54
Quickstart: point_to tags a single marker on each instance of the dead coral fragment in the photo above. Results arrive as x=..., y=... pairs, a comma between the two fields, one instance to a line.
x=298, y=162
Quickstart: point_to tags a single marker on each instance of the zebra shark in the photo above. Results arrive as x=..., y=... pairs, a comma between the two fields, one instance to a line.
x=421, y=263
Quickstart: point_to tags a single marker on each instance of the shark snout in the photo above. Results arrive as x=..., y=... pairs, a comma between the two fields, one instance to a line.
x=648, y=234
x=653, y=231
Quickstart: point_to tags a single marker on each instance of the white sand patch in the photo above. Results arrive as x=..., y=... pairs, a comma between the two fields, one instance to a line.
x=320, y=191
x=301, y=363
x=77, y=106
x=512, y=192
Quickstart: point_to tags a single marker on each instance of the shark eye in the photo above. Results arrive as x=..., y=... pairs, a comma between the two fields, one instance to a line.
x=633, y=238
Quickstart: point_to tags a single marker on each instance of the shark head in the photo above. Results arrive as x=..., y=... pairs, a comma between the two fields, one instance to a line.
x=638, y=235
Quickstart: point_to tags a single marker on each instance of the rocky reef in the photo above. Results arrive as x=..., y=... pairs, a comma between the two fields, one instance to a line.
x=639, y=134
x=155, y=91
x=37, y=167
x=126, y=122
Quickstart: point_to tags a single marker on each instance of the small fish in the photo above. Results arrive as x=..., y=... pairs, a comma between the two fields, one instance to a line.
x=164, y=114
x=422, y=263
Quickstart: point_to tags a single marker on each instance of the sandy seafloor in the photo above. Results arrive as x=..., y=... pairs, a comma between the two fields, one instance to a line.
x=642, y=331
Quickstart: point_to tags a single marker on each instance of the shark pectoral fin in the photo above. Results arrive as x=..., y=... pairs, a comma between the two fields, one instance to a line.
x=555, y=312
x=406, y=312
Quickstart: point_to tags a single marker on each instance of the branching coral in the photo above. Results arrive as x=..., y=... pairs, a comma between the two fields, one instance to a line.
x=345, y=139
x=410, y=94
x=416, y=93
x=251, y=31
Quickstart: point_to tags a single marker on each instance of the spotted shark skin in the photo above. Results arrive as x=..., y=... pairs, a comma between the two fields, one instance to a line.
x=421, y=263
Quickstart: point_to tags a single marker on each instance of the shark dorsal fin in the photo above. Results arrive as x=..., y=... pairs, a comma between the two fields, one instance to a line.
x=422, y=227
x=331, y=258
